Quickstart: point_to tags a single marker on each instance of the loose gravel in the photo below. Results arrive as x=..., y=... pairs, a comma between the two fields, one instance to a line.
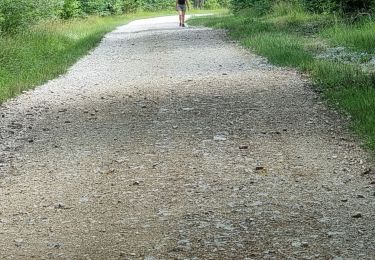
x=176, y=143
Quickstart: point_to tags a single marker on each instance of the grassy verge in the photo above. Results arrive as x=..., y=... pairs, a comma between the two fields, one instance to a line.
x=339, y=57
x=31, y=58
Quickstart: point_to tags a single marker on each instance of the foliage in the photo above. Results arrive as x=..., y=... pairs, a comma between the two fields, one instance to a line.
x=153, y=5
x=114, y=7
x=316, y=6
x=71, y=9
x=16, y=15
x=282, y=8
x=354, y=6
x=104, y=7
x=129, y=6
x=93, y=6
x=224, y=3
x=258, y=6
x=211, y=4
x=319, y=6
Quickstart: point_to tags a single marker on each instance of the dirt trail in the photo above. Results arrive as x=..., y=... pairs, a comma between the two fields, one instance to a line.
x=171, y=143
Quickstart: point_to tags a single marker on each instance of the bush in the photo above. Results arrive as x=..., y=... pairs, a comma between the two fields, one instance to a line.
x=341, y=6
x=282, y=8
x=71, y=8
x=11, y=18
x=129, y=6
x=153, y=5
x=48, y=8
x=316, y=6
x=211, y=4
x=319, y=6
x=114, y=7
x=224, y=3
x=258, y=6
x=107, y=7
x=356, y=6
x=16, y=15
x=93, y=6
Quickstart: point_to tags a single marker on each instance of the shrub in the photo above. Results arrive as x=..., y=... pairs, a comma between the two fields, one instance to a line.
x=152, y=5
x=211, y=4
x=355, y=6
x=92, y=6
x=320, y=6
x=316, y=6
x=71, y=8
x=129, y=6
x=114, y=7
x=48, y=8
x=224, y=3
x=282, y=8
x=342, y=6
x=259, y=6
x=16, y=15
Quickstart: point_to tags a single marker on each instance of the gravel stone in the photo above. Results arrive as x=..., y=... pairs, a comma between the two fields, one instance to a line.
x=357, y=215
x=199, y=198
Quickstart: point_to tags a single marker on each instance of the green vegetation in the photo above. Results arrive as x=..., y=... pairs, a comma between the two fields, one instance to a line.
x=360, y=36
x=336, y=50
x=31, y=58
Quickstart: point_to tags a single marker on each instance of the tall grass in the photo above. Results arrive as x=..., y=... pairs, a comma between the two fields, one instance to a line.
x=289, y=36
x=281, y=49
x=360, y=37
x=30, y=58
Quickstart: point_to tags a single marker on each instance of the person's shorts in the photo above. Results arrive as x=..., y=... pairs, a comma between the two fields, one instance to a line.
x=181, y=8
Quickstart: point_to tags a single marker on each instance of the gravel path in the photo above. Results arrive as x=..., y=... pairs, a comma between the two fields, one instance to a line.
x=170, y=143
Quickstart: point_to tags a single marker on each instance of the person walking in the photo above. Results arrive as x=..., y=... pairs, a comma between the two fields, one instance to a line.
x=181, y=8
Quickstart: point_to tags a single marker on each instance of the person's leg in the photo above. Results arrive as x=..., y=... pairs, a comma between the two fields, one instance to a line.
x=180, y=17
x=183, y=18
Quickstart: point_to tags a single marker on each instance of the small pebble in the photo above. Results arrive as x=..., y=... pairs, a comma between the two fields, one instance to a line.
x=296, y=244
x=357, y=215
x=18, y=242
x=368, y=172
x=220, y=137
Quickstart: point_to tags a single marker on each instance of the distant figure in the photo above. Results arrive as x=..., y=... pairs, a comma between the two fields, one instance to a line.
x=181, y=8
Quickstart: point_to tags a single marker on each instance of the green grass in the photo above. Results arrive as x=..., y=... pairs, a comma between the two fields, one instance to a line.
x=360, y=37
x=281, y=49
x=290, y=37
x=47, y=50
